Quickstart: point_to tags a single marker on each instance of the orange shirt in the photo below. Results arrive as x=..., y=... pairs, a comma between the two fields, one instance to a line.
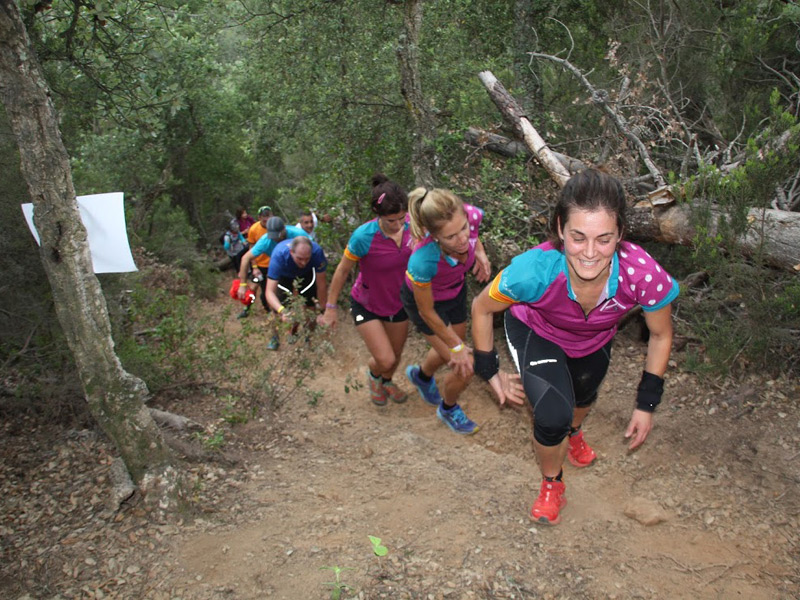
x=253, y=235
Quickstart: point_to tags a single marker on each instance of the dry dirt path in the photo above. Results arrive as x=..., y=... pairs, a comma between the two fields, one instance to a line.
x=314, y=480
x=452, y=510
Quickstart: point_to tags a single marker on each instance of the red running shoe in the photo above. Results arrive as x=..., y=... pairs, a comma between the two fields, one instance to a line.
x=580, y=454
x=394, y=393
x=376, y=393
x=550, y=501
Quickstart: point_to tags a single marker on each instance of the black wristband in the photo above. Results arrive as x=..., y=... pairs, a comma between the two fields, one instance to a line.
x=486, y=364
x=649, y=392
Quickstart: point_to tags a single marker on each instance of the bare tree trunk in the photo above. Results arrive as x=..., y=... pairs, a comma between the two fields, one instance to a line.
x=528, y=82
x=423, y=160
x=115, y=398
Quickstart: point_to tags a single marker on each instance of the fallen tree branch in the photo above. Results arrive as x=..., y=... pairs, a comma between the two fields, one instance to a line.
x=509, y=148
x=513, y=112
x=773, y=235
x=122, y=486
x=499, y=144
x=173, y=421
x=600, y=98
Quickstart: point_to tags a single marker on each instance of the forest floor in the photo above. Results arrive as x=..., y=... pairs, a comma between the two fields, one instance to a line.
x=708, y=507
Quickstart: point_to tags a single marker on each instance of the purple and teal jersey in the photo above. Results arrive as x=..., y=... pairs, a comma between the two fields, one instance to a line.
x=265, y=245
x=429, y=266
x=282, y=264
x=537, y=284
x=381, y=267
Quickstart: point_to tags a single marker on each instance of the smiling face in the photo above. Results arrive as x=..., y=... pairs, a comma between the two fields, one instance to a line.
x=307, y=223
x=453, y=235
x=590, y=239
x=391, y=224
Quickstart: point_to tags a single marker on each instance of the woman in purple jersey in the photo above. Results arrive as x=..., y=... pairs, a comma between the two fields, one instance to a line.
x=564, y=299
x=435, y=296
x=381, y=248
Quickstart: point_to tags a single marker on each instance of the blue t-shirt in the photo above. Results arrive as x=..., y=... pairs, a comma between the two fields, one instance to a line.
x=265, y=245
x=283, y=266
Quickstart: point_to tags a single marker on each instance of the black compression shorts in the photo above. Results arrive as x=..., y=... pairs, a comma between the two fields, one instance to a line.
x=554, y=383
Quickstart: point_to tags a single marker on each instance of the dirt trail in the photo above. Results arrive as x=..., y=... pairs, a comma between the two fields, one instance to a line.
x=453, y=510
x=317, y=478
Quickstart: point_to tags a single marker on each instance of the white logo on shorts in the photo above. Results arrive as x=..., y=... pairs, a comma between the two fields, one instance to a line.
x=541, y=362
x=359, y=317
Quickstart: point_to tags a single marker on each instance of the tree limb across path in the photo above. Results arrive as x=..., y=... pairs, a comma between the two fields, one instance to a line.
x=773, y=235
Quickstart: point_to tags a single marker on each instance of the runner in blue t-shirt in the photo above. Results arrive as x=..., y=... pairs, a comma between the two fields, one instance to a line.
x=435, y=295
x=565, y=298
x=297, y=266
x=277, y=231
x=380, y=248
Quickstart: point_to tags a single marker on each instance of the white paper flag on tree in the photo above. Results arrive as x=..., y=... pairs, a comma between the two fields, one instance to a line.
x=103, y=215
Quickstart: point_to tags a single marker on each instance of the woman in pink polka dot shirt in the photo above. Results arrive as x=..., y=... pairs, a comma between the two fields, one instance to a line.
x=564, y=299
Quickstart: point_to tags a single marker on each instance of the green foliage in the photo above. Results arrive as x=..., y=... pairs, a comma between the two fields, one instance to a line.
x=193, y=108
x=750, y=185
x=314, y=397
x=509, y=227
x=168, y=348
x=232, y=414
x=212, y=441
x=378, y=549
x=337, y=585
x=176, y=351
x=352, y=383
x=170, y=236
x=746, y=320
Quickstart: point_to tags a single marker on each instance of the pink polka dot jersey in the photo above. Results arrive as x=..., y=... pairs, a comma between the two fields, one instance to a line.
x=537, y=284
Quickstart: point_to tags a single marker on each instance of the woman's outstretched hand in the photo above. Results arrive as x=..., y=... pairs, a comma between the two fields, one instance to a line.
x=508, y=387
x=640, y=425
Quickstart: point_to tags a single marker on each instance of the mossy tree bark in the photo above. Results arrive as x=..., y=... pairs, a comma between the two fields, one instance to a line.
x=115, y=398
x=423, y=160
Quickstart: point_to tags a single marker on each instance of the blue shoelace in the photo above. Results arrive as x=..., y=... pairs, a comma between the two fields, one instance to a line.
x=458, y=416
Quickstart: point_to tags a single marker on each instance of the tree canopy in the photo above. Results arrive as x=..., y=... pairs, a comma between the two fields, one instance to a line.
x=195, y=108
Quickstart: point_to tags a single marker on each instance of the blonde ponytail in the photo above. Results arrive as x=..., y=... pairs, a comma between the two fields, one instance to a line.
x=428, y=209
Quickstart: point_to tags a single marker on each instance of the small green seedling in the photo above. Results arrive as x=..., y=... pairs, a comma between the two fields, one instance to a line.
x=314, y=397
x=377, y=548
x=351, y=383
x=337, y=587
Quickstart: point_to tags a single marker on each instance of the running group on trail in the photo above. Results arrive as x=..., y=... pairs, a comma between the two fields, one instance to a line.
x=562, y=302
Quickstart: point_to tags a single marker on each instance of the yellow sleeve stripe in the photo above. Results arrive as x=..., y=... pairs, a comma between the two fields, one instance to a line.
x=421, y=284
x=350, y=255
x=496, y=294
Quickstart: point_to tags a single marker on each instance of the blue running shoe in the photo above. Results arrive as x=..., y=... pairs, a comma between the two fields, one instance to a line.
x=273, y=343
x=428, y=390
x=456, y=420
